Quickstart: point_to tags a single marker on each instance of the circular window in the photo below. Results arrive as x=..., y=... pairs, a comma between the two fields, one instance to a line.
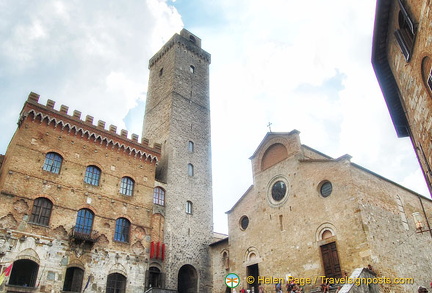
x=326, y=188
x=244, y=222
x=278, y=190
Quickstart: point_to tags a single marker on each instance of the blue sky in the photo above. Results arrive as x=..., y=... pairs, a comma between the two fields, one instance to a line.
x=301, y=65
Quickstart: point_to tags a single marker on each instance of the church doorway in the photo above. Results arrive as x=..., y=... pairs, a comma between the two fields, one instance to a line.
x=330, y=258
x=254, y=272
x=187, y=280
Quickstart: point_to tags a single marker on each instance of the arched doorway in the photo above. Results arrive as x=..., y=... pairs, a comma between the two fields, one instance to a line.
x=116, y=283
x=73, y=279
x=187, y=280
x=24, y=273
x=155, y=278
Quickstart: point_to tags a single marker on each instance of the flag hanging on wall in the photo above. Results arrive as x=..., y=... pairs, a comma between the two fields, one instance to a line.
x=6, y=273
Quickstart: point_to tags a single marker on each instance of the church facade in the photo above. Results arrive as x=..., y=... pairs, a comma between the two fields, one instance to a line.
x=310, y=217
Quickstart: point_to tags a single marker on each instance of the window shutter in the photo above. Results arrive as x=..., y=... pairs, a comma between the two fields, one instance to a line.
x=408, y=19
x=402, y=45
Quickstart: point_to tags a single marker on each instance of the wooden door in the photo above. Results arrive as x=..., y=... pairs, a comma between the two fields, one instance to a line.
x=331, y=263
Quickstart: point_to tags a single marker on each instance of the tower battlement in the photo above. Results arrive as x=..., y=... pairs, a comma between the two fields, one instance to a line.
x=97, y=132
x=186, y=39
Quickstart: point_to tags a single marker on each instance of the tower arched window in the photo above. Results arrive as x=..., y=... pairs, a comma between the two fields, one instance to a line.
x=52, y=163
x=159, y=196
x=92, y=175
x=41, y=211
x=189, y=207
x=127, y=186
x=122, y=230
x=190, y=170
x=191, y=147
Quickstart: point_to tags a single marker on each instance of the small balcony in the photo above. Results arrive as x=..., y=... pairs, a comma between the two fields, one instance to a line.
x=84, y=234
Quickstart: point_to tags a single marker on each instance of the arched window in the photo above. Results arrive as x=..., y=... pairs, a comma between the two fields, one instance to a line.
x=52, y=163
x=41, y=211
x=190, y=170
x=191, y=147
x=225, y=260
x=92, y=175
x=122, y=230
x=116, y=283
x=127, y=186
x=24, y=273
x=159, y=196
x=84, y=221
x=73, y=279
x=189, y=207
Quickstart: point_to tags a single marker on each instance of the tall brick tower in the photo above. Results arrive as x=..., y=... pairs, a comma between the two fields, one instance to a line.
x=178, y=117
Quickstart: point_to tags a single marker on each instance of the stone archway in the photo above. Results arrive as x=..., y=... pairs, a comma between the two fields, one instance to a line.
x=187, y=280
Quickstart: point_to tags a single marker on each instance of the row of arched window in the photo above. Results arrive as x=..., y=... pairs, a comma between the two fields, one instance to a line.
x=41, y=214
x=24, y=273
x=53, y=163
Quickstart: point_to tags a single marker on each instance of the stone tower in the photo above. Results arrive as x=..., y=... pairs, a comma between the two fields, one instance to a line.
x=178, y=117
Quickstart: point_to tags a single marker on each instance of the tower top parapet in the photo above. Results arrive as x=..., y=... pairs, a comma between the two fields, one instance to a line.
x=186, y=39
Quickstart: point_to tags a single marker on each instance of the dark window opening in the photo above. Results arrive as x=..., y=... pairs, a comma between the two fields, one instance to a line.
x=41, y=211
x=24, y=273
x=429, y=81
x=189, y=207
x=116, y=283
x=279, y=190
x=191, y=147
x=244, y=222
x=73, y=280
x=155, y=278
x=190, y=170
x=326, y=189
